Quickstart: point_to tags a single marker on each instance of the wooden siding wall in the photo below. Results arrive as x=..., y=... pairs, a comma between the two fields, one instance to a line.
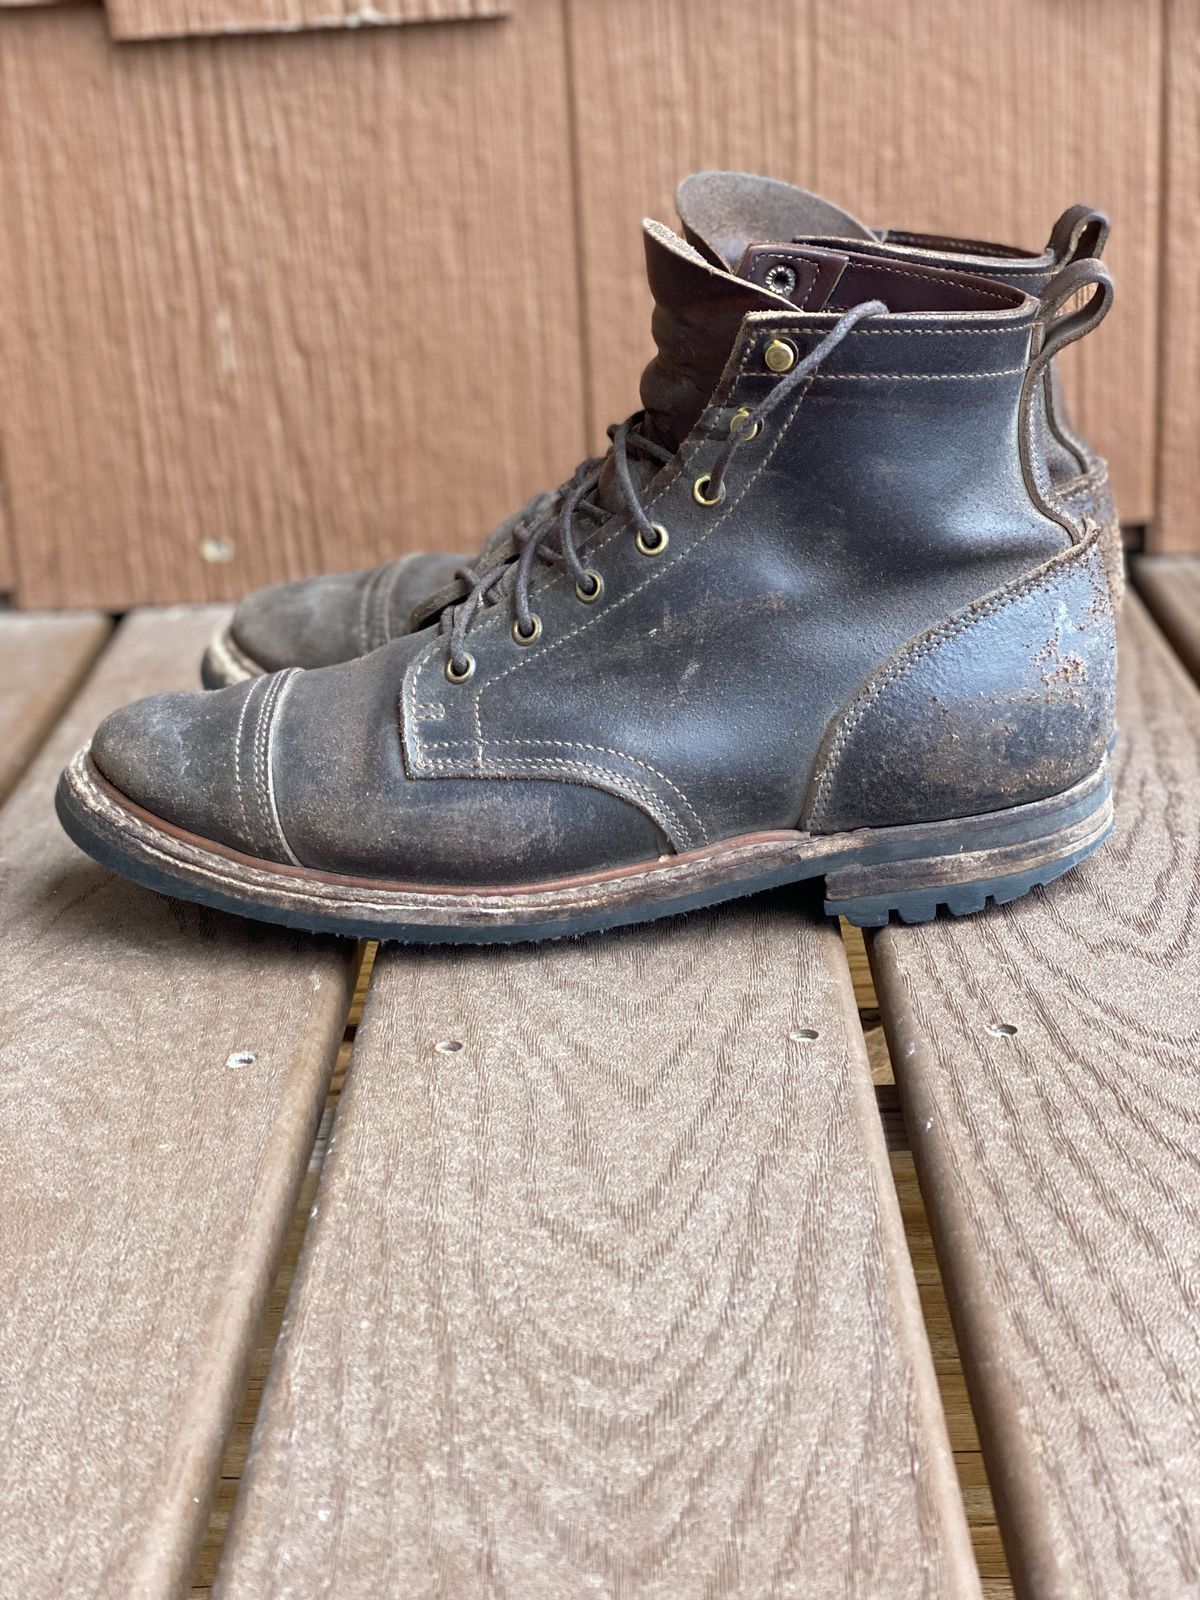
x=275, y=304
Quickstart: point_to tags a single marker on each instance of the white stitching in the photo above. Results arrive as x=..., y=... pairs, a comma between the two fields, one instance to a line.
x=664, y=814
x=268, y=772
x=237, y=757
x=1077, y=557
x=598, y=749
x=938, y=333
x=262, y=729
x=928, y=277
x=364, y=609
x=915, y=377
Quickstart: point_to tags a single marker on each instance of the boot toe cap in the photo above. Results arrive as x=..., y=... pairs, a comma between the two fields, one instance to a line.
x=176, y=756
x=321, y=622
x=315, y=622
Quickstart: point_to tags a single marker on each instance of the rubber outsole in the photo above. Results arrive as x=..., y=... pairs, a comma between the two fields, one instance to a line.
x=964, y=900
x=870, y=874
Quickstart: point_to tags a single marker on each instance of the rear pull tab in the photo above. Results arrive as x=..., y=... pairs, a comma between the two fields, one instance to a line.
x=804, y=274
x=1080, y=234
x=1058, y=328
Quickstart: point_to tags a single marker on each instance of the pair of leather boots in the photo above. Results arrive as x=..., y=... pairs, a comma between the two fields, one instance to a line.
x=838, y=603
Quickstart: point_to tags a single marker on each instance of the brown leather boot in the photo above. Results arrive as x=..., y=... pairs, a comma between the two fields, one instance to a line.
x=814, y=616
x=731, y=218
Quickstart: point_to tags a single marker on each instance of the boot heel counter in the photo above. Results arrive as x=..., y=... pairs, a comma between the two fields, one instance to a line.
x=1008, y=701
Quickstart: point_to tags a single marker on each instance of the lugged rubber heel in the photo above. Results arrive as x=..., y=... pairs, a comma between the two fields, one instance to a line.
x=996, y=858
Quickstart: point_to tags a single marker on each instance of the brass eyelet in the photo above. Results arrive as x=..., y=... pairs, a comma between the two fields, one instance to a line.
x=736, y=421
x=534, y=633
x=460, y=677
x=781, y=355
x=590, y=596
x=700, y=486
x=664, y=539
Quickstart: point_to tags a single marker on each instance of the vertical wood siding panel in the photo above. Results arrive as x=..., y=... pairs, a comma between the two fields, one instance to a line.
x=659, y=91
x=1177, y=526
x=168, y=19
x=951, y=118
x=964, y=119
x=305, y=303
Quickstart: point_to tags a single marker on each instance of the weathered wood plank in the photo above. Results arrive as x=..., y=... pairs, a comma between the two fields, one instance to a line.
x=286, y=306
x=606, y=1292
x=170, y=19
x=1176, y=526
x=1170, y=586
x=911, y=115
x=1049, y=1059
x=147, y=1179
x=42, y=661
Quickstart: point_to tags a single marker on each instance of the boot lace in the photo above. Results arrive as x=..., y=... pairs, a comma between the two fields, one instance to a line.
x=553, y=539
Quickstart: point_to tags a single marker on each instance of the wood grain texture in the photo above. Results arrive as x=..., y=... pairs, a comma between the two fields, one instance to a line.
x=1170, y=586
x=147, y=1183
x=297, y=304
x=937, y=118
x=1060, y=1164
x=1176, y=526
x=612, y=1298
x=42, y=661
x=170, y=19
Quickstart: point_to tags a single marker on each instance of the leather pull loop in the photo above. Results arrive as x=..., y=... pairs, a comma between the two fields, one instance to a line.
x=1059, y=328
x=1080, y=234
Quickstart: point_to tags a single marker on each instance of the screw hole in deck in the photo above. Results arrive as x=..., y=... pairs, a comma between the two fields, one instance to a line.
x=1002, y=1030
x=804, y=1035
x=448, y=1047
x=240, y=1058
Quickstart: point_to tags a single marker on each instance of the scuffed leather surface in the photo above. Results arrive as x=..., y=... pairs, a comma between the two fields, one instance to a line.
x=321, y=621
x=317, y=622
x=687, y=705
x=307, y=768
x=1012, y=700
x=702, y=684
x=348, y=805
x=196, y=760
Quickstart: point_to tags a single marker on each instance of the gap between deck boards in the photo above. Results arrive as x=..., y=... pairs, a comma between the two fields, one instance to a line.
x=968, y=1458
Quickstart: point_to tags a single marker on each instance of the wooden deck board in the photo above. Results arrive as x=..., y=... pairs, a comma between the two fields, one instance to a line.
x=43, y=659
x=147, y=1183
x=1061, y=1168
x=613, y=1299
x=1170, y=586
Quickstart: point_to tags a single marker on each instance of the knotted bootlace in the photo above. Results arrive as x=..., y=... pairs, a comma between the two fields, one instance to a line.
x=537, y=542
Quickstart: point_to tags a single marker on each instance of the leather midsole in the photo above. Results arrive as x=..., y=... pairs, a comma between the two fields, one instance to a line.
x=992, y=843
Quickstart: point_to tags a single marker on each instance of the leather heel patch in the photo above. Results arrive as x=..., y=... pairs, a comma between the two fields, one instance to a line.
x=1008, y=701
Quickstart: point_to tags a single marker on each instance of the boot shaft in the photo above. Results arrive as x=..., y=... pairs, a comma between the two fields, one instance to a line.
x=890, y=494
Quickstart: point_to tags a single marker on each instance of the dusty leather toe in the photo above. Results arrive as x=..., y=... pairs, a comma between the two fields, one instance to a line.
x=198, y=761
x=308, y=768
x=347, y=803
x=318, y=622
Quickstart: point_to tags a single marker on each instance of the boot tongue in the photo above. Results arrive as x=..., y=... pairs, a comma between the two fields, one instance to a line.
x=725, y=212
x=698, y=310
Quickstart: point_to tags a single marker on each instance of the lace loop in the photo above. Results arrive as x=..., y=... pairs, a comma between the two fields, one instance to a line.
x=516, y=546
